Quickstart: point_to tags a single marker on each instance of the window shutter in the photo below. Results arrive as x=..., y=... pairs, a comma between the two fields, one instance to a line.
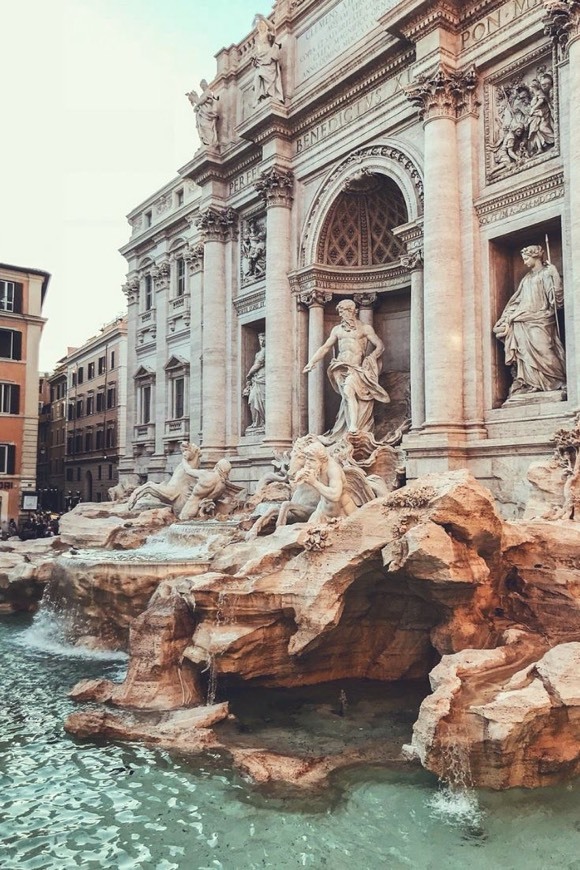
x=11, y=459
x=17, y=298
x=17, y=345
x=15, y=399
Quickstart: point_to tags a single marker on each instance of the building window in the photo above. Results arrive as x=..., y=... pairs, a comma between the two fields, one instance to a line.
x=79, y=408
x=9, y=398
x=148, y=293
x=100, y=402
x=7, y=458
x=148, y=218
x=71, y=411
x=181, y=277
x=90, y=405
x=88, y=442
x=73, y=379
x=78, y=443
x=110, y=471
x=69, y=474
x=70, y=446
x=11, y=296
x=110, y=437
x=90, y=371
x=178, y=389
x=10, y=344
x=78, y=473
x=99, y=473
x=112, y=359
x=80, y=375
x=145, y=404
x=179, y=197
x=111, y=398
x=102, y=364
x=100, y=439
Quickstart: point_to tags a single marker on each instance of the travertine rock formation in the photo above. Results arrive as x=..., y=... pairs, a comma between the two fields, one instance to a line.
x=427, y=577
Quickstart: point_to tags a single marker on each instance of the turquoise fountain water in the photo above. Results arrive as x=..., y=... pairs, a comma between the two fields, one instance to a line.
x=67, y=804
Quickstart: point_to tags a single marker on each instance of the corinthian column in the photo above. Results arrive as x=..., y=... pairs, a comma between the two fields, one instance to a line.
x=275, y=186
x=414, y=263
x=442, y=97
x=562, y=23
x=217, y=225
x=365, y=302
x=194, y=259
x=315, y=300
x=160, y=273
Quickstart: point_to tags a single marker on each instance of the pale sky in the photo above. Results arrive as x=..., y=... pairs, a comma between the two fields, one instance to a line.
x=94, y=120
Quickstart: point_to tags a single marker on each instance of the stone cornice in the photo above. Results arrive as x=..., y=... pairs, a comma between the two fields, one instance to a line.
x=562, y=22
x=529, y=196
x=339, y=281
x=445, y=93
x=248, y=302
x=275, y=186
x=217, y=224
x=414, y=20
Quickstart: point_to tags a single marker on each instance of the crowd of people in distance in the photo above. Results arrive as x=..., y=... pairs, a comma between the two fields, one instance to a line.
x=40, y=524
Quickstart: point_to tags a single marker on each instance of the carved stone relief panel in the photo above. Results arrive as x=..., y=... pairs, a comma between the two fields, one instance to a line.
x=521, y=116
x=253, y=250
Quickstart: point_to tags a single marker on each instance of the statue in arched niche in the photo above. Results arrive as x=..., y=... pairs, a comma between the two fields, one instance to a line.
x=529, y=330
x=354, y=372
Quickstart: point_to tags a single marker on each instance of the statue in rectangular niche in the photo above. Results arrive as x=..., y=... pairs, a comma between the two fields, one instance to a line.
x=520, y=122
x=528, y=327
x=253, y=250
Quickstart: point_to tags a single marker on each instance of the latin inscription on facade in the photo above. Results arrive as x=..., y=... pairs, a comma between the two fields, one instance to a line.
x=336, y=32
x=495, y=21
x=353, y=111
x=245, y=179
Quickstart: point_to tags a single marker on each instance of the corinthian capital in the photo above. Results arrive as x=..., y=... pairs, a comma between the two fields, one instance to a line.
x=275, y=186
x=309, y=298
x=445, y=93
x=160, y=273
x=562, y=22
x=413, y=261
x=217, y=224
x=131, y=290
x=194, y=257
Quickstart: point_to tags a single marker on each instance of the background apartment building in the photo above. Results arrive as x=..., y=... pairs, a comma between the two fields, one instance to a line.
x=22, y=294
x=87, y=419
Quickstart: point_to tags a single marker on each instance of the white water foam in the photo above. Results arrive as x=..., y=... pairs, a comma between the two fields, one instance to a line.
x=155, y=549
x=456, y=807
x=48, y=634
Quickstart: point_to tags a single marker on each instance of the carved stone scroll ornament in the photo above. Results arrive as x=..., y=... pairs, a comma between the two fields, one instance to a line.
x=413, y=261
x=131, y=290
x=217, y=224
x=562, y=22
x=275, y=186
x=193, y=256
x=314, y=297
x=365, y=300
x=445, y=93
x=160, y=274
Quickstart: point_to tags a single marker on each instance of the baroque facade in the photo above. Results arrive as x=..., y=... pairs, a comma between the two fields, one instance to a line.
x=399, y=153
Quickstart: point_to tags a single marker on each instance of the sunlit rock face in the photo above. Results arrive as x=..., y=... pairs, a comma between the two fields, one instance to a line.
x=426, y=581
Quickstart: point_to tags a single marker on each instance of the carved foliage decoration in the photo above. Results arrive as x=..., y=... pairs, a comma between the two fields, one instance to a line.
x=445, y=93
x=521, y=117
x=562, y=22
x=275, y=186
x=253, y=250
x=217, y=224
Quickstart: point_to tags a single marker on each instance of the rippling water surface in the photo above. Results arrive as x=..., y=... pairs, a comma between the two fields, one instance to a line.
x=65, y=804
